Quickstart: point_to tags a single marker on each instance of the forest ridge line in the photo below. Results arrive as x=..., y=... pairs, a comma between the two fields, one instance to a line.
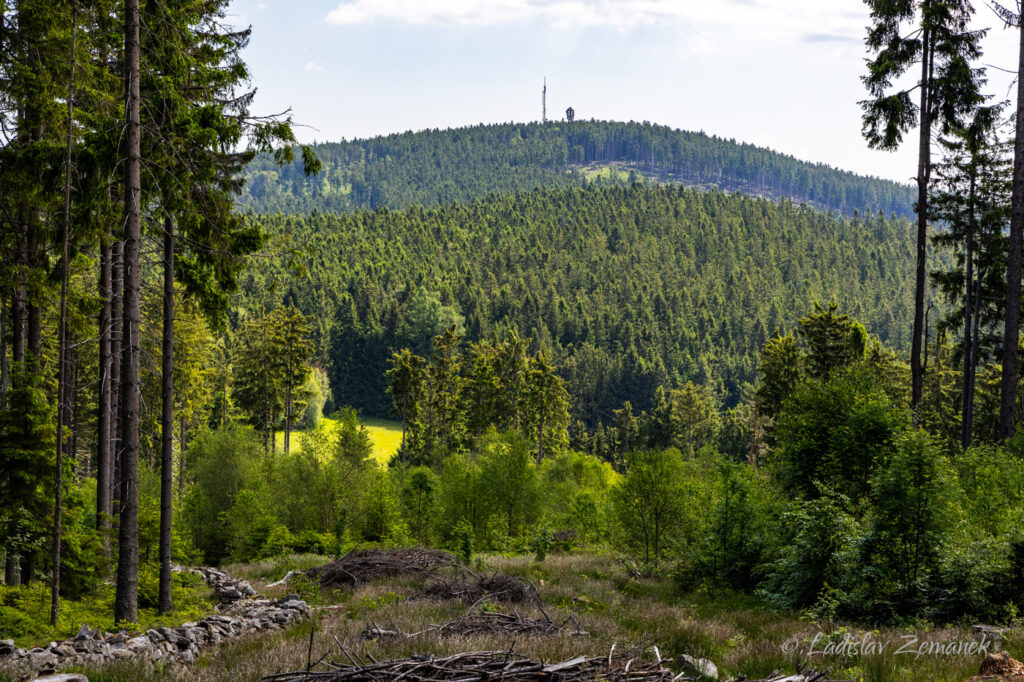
x=434, y=167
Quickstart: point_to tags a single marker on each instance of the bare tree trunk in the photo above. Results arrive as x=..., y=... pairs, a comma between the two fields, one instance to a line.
x=181, y=458
x=4, y=367
x=62, y=335
x=104, y=421
x=116, y=313
x=126, y=597
x=404, y=422
x=288, y=417
x=969, y=341
x=167, y=420
x=1011, y=332
x=923, y=174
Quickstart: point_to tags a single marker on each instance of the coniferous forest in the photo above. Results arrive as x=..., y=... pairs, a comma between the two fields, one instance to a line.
x=434, y=167
x=680, y=391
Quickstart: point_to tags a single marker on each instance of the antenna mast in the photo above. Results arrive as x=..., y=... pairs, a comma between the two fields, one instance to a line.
x=544, y=102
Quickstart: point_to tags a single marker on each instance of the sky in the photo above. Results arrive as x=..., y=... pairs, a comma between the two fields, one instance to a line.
x=783, y=74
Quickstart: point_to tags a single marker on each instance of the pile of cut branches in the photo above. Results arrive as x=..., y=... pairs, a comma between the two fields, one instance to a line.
x=473, y=589
x=475, y=666
x=362, y=566
x=802, y=675
x=484, y=623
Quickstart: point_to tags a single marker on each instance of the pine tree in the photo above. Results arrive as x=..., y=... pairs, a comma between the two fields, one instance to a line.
x=943, y=47
x=971, y=199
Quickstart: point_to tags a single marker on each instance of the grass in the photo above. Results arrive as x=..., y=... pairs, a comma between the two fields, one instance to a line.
x=739, y=634
x=25, y=610
x=385, y=435
x=614, y=171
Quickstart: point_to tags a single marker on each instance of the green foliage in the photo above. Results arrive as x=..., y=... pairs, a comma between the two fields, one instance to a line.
x=25, y=610
x=419, y=497
x=819, y=537
x=740, y=537
x=462, y=538
x=437, y=167
x=222, y=464
x=912, y=514
x=649, y=503
x=625, y=288
x=508, y=477
x=834, y=432
x=271, y=367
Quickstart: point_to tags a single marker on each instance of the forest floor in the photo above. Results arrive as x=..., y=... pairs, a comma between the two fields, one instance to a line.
x=386, y=436
x=588, y=591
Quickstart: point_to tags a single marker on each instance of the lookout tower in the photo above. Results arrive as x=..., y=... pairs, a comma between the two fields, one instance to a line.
x=544, y=102
x=570, y=114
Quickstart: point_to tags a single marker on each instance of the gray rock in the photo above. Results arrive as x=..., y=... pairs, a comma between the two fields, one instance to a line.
x=989, y=634
x=7, y=647
x=701, y=667
x=63, y=677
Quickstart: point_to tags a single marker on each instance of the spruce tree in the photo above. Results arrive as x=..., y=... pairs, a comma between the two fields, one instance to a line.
x=933, y=36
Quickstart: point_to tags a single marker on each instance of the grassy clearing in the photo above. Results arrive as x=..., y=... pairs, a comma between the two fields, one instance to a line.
x=615, y=172
x=738, y=634
x=386, y=436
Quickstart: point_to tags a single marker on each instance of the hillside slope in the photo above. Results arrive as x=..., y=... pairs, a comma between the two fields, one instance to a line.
x=631, y=287
x=435, y=167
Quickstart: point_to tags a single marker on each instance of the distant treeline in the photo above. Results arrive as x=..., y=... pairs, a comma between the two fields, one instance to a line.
x=629, y=288
x=435, y=167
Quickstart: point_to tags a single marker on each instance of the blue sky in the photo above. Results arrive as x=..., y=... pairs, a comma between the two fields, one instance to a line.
x=778, y=73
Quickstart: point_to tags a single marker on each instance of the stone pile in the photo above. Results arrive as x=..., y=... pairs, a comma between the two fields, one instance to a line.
x=241, y=611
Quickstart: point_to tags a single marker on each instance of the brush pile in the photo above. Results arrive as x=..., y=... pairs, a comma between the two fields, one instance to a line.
x=358, y=567
x=484, y=623
x=802, y=675
x=475, y=666
x=474, y=589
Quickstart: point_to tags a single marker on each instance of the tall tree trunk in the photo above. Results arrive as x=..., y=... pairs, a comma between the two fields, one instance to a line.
x=116, y=315
x=33, y=313
x=4, y=367
x=923, y=173
x=19, y=312
x=126, y=597
x=62, y=337
x=104, y=420
x=288, y=416
x=1011, y=332
x=181, y=458
x=969, y=341
x=167, y=420
x=405, y=412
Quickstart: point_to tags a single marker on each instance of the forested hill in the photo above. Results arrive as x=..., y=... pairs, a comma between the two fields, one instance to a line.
x=631, y=287
x=436, y=167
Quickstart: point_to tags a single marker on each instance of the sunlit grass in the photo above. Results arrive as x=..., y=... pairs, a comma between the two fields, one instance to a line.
x=386, y=436
x=738, y=633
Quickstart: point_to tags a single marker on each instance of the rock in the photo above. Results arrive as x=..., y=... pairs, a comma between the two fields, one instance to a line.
x=242, y=610
x=63, y=677
x=989, y=634
x=700, y=667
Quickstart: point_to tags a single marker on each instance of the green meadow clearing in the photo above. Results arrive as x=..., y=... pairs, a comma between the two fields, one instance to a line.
x=386, y=436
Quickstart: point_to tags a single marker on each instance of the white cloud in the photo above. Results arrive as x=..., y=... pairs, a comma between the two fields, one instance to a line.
x=783, y=16
x=621, y=14
x=312, y=67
